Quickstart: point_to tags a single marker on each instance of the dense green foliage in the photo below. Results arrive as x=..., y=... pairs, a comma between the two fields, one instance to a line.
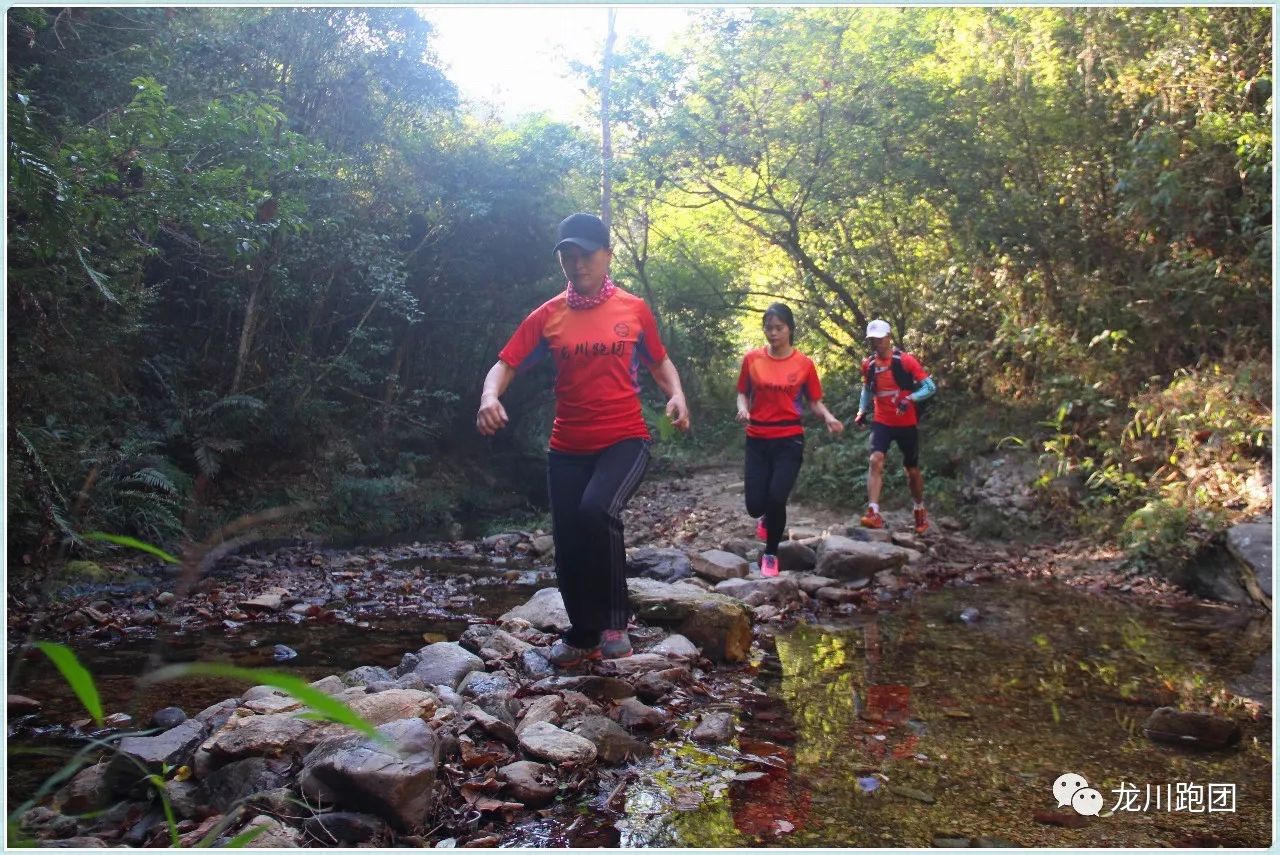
x=260, y=255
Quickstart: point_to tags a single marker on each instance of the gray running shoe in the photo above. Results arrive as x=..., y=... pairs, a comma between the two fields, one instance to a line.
x=565, y=655
x=615, y=644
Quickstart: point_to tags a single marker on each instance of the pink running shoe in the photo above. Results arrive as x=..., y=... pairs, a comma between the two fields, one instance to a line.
x=769, y=565
x=762, y=533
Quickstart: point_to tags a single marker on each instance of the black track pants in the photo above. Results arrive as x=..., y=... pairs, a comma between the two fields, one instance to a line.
x=771, y=471
x=588, y=493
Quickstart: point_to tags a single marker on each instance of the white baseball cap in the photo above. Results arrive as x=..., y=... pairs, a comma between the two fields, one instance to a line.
x=877, y=329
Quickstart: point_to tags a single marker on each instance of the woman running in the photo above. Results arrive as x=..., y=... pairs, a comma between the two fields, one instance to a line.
x=598, y=335
x=771, y=387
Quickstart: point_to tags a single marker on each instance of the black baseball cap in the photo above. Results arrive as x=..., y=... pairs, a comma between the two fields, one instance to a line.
x=584, y=230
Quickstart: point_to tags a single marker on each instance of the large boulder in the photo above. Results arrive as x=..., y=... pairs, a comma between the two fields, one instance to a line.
x=664, y=565
x=847, y=560
x=446, y=663
x=255, y=736
x=138, y=756
x=717, y=565
x=719, y=625
x=393, y=778
x=754, y=591
x=1250, y=544
x=544, y=610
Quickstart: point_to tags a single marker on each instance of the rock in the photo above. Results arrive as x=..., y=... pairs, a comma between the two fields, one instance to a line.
x=366, y=674
x=331, y=685
x=255, y=736
x=941, y=842
x=717, y=565
x=545, y=740
x=804, y=532
x=489, y=642
x=742, y=547
x=544, y=610
x=269, y=600
x=652, y=687
x=637, y=663
x=676, y=646
x=283, y=653
x=87, y=791
x=74, y=843
x=394, y=781
x=857, y=532
x=394, y=705
x=838, y=595
x=719, y=625
x=534, y=664
x=1250, y=543
x=912, y=793
x=187, y=798
x=532, y=784
x=342, y=827
x=493, y=725
x=1061, y=818
x=165, y=598
x=1190, y=729
x=778, y=590
x=168, y=717
x=846, y=559
x=543, y=545
x=810, y=583
x=274, y=834
x=170, y=749
x=228, y=786
x=794, y=556
x=766, y=612
x=216, y=715
x=22, y=705
x=545, y=708
x=613, y=744
x=480, y=684
x=970, y=615
x=715, y=727
x=275, y=703
x=590, y=685
x=632, y=713
x=664, y=565
x=446, y=663
x=502, y=542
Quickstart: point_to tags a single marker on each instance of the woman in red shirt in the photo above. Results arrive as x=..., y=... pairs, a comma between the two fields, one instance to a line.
x=772, y=386
x=598, y=336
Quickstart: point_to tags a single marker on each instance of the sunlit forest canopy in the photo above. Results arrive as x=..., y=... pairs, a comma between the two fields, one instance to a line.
x=264, y=256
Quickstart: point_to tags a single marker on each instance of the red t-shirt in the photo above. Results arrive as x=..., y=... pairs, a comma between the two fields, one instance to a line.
x=775, y=390
x=597, y=352
x=885, y=390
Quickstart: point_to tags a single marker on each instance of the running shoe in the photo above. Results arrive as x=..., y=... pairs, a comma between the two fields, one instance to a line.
x=615, y=644
x=565, y=655
x=762, y=533
x=922, y=521
x=769, y=565
x=872, y=519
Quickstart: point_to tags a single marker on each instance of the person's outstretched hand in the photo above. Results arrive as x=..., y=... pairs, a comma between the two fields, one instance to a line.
x=678, y=412
x=860, y=419
x=491, y=417
x=743, y=415
x=835, y=425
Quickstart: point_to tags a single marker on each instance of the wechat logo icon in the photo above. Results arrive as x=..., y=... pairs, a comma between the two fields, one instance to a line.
x=1072, y=789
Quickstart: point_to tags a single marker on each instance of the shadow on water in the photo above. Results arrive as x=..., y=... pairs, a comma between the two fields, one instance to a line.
x=917, y=725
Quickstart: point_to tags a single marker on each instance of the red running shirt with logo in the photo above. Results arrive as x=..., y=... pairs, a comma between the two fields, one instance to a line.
x=776, y=390
x=597, y=355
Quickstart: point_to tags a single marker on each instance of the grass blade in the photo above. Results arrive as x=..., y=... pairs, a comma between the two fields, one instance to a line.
x=79, y=678
x=132, y=543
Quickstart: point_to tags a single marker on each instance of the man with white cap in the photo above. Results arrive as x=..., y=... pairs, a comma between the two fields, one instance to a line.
x=893, y=382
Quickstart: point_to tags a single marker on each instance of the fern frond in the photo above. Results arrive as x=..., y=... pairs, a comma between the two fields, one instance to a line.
x=209, y=461
x=153, y=478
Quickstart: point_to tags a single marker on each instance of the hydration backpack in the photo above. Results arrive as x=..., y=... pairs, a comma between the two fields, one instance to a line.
x=901, y=376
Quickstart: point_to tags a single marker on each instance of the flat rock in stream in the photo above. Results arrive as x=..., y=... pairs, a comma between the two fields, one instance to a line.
x=530, y=783
x=544, y=610
x=446, y=663
x=795, y=556
x=715, y=727
x=847, y=559
x=1190, y=729
x=613, y=743
x=717, y=565
x=170, y=749
x=719, y=625
x=548, y=742
x=664, y=565
x=394, y=780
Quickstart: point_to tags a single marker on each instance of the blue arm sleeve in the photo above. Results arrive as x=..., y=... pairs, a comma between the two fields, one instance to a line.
x=926, y=389
x=864, y=400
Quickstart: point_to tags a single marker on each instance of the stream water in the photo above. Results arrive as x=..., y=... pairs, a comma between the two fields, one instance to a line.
x=947, y=716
